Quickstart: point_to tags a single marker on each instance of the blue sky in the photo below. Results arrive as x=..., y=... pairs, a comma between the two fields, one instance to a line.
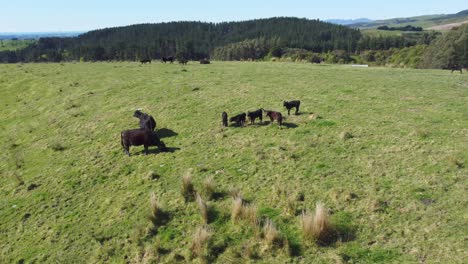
x=55, y=15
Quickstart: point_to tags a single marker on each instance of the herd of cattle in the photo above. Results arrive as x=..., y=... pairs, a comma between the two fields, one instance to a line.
x=171, y=59
x=146, y=135
x=273, y=115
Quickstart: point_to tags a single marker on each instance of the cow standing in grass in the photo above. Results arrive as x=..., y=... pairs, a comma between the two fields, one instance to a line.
x=205, y=61
x=273, y=115
x=239, y=119
x=145, y=61
x=291, y=104
x=138, y=137
x=224, y=117
x=254, y=115
x=167, y=59
x=146, y=121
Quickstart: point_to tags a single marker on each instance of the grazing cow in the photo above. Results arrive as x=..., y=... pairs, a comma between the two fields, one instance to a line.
x=146, y=121
x=183, y=61
x=253, y=115
x=275, y=116
x=138, y=137
x=225, y=119
x=168, y=59
x=456, y=68
x=205, y=61
x=145, y=61
x=239, y=119
x=292, y=104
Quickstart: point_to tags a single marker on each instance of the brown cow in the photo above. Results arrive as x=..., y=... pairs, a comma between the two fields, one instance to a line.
x=273, y=115
x=138, y=137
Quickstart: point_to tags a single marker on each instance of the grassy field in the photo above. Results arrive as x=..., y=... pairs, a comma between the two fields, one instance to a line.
x=14, y=44
x=383, y=149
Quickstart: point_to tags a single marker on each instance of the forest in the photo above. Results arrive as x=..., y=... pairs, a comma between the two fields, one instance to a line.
x=247, y=40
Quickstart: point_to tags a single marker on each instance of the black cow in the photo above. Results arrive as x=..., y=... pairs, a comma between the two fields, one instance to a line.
x=138, y=137
x=239, y=119
x=456, y=68
x=168, y=59
x=253, y=115
x=292, y=104
x=183, y=61
x=145, y=61
x=146, y=121
x=273, y=115
x=225, y=119
x=205, y=61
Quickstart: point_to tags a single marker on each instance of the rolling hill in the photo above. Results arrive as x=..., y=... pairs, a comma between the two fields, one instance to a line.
x=426, y=21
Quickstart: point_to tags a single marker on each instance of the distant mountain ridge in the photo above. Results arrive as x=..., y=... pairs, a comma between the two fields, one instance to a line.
x=348, y=21
x=38, y=35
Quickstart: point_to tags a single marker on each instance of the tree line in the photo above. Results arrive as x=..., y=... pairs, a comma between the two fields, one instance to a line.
x=312, y=40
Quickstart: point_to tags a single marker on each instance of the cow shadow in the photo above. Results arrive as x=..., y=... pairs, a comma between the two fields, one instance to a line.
x=158, y=150
x=289, y=125
x=166, y=132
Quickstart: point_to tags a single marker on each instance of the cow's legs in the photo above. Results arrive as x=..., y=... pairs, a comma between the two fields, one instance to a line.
x=146, y=149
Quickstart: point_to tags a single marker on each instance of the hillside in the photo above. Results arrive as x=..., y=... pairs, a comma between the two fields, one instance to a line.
x=426, y=21
x=192, y=40
x=384, y=151
x=15, y=44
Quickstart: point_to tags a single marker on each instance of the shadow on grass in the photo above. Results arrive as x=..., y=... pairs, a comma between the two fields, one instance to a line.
x=158, y=151
x=342, y=230
x=290, y=125
x=166, y=132
x=220, y=195
x=162, y=219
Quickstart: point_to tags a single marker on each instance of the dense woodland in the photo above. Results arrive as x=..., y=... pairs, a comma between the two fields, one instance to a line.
x=274, y=38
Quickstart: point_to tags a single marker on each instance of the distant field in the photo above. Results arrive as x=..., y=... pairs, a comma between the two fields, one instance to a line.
x=448, y=26
x=384, y=151
x=426, y=22
x=14, y=44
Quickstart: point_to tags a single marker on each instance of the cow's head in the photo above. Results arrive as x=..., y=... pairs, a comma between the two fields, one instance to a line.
x=137, y=113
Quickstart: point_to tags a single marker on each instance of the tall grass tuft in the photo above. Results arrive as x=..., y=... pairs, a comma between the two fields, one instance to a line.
x=316, y=227
x=249, y=213
x=156, y=211
x=271, y=234
x=188, y=191
x=209, y=185
x=203, y=208
x=201, y=242
x=235, y=192
x=237, y=208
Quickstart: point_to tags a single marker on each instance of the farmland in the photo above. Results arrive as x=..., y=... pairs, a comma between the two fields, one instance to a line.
x=384, y=150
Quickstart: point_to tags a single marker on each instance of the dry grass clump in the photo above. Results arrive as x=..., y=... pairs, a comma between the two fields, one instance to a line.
x=237, y=208
x=345, y=135
x=314, y=116
x=155, y=206
x=234, y=192
x=188, y=191
x=291, y=203
x=209, y=185
x=271, y=235
x=249, y=213
x=317, y=226
x=203, y=208
x=201, y=242
x=420, y=133
x=456, y=161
